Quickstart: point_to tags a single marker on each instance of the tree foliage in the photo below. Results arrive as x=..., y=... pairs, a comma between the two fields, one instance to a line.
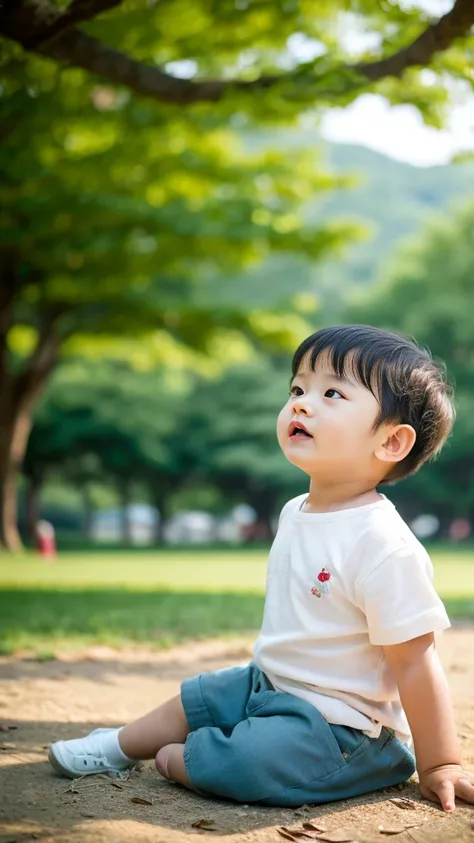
x=237, y=54
x=233, y=440
x=115, y=226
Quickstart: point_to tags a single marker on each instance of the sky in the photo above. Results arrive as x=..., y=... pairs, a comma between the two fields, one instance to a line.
x=399, y=131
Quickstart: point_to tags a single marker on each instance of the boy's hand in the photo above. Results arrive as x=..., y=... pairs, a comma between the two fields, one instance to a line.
x=443, y=784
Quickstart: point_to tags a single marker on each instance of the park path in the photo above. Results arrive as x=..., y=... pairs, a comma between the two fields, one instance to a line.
x=45, y=701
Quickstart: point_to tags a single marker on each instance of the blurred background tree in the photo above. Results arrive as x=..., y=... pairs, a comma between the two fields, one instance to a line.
x=115, y=227
x=145, y=211
x=106, y=423
x=232, y=436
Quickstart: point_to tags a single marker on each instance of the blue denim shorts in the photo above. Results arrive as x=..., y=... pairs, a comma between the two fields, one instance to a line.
x=252, y=743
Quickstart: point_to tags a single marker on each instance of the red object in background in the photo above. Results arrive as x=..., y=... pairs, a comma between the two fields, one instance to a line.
x=47, y=546
x=46, y=539
x=460, y=529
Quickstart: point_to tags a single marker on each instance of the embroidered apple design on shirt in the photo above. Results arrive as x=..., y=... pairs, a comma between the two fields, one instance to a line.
x=322, y=586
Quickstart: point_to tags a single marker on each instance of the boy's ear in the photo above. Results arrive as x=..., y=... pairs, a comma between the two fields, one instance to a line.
x=397, y=443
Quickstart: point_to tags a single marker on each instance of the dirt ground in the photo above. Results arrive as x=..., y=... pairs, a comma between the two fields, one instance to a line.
x=45, y=701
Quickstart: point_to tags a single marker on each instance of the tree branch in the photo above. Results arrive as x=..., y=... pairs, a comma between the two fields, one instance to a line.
x=43, y=359
x=436, y=38
x=36, y=25
x=80, y=10
x=77, y=12
x=81, y=50
x=12, y=283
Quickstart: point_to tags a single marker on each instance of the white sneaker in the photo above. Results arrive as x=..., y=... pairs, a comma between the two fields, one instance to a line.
x=84, y=757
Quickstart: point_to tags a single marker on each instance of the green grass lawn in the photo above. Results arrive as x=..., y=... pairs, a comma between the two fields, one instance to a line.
x=159, y=598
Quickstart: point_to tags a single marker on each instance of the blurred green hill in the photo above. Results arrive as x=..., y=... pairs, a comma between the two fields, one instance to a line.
x=392, y=199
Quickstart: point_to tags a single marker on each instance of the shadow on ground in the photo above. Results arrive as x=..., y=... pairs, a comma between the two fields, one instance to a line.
x=36, y=803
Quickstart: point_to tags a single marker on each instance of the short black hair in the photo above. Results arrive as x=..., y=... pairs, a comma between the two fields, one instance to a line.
x=409, y=385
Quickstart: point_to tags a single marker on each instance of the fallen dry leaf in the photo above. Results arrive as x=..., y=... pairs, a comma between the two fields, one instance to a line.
x=141, y=800
x=337, y=837
x=403, y=802
x=207, y=824
x=297, y=832
x=313, y=827
x=395, y=829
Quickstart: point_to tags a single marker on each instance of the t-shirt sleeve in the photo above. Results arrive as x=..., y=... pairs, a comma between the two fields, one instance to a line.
x=291, y=506
x=399, y=600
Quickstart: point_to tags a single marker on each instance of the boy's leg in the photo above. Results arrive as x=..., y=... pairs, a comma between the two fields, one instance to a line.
x=217, y=699
x=146, y=736
x=115, y=750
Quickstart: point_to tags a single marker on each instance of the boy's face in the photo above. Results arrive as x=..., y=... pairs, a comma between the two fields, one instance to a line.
x=338, y=415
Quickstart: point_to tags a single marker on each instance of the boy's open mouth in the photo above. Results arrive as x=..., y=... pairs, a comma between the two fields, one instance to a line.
x=298, y=431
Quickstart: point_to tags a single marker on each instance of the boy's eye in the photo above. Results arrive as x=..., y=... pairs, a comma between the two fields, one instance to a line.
x=296, y=390
x=332, y=393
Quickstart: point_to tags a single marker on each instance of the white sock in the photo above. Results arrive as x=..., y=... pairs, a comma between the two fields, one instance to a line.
x=112, y=749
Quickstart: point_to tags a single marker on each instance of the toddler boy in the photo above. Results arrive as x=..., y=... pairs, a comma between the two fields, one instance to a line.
x=345, y=673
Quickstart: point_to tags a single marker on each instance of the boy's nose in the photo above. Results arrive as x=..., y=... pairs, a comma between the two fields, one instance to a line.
x=301, y=406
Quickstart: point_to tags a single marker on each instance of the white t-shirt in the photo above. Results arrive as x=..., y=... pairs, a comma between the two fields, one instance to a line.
x=339, y=586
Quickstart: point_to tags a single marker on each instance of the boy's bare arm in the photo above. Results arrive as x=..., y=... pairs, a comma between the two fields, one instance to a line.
x=425, y=697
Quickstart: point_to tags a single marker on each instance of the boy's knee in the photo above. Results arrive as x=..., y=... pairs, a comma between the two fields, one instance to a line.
x=161, y=762
x=169, y=762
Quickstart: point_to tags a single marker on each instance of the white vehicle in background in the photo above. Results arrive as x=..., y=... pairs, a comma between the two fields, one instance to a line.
x=187, y=527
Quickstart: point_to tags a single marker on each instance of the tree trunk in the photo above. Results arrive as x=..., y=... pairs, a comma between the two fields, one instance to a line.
x=88, y=510
x=124, y=492
x=160, y=502
x=14, y=432
x=18, y=394
x=32, y=507
x=264, y=505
